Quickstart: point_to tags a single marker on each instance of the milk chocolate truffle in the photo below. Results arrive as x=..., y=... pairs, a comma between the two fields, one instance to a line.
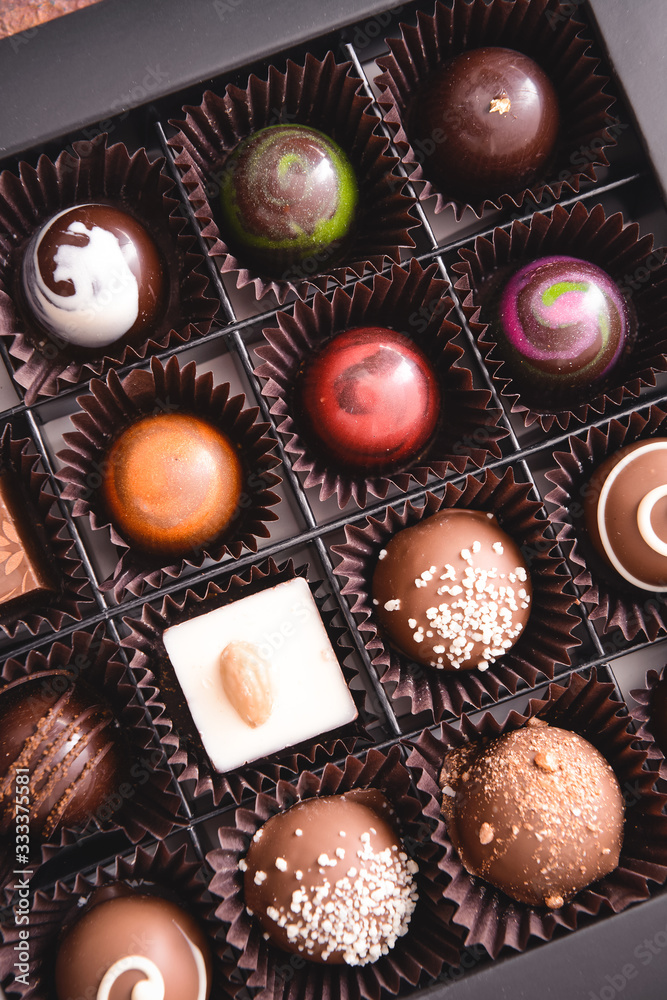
x=329, y=879
x=537, y=812
x=65, y=739
x=452, y=591
x=27, y=578
x=370, y=398
x=172, y=482
x=485, y=124
x=134, y=947
x=625, y=508
x=288, y=193
x=563, y=324
x=91, y=275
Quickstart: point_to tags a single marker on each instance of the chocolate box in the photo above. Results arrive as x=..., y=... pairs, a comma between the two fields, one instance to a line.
x=124, y=70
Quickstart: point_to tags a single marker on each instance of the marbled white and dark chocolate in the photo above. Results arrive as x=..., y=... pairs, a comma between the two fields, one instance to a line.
x=91, y=275
x=452, y=591
x=625, y=507
x=537, y=812
x=288, y=194
x=370, y=398
x=134, y=947
x=70, y=746
x=329, y=879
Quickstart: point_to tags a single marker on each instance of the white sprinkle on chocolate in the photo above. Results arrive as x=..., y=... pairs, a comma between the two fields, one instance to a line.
x=281, y=864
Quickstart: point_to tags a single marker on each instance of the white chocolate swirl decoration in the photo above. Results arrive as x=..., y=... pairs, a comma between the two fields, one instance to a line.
x=153, y=987
x=631, y=513
x=105, y=303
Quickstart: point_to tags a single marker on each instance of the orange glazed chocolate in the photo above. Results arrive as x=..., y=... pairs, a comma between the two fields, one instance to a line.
x=172, y=483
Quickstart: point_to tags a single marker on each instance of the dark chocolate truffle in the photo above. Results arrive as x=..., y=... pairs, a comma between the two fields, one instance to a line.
x=625, y=507
x=562, y=325
x=91, y=275
x=134, y=947
x=69, y=746
x=537, y=812
x=486, y=124
x=172, y=482
x=370, y=398
x=288, y=193
x=329, y=879
x=27, y=578
x=453, y=590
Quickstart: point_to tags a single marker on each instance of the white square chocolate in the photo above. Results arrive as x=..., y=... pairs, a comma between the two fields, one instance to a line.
x=288, y=666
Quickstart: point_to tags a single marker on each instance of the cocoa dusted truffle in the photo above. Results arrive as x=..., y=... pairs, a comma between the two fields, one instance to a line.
x=329, y=879
x=288, y=193
x=370, y=398
x=562, y=324
x=67, y=743
x=488, y=121
x=134, y=946
x=625, y=508
x=172, y=482
x=453, y=590
x=91, y=275
x=537, y=812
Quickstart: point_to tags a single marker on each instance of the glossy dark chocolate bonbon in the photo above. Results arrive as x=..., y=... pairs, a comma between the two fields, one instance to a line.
x=70, y=745
x=27, y=578
x=370, y=398
x=452, y=591
x=625, y=508
x=329, y=879
x=562, y=324
x=172, y=482
x=134, y=946
x=487, y=124
x=537, y=812
x=288, y=196
x=91, y=275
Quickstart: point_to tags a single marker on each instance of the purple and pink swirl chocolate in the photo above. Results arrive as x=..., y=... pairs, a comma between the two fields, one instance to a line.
x=563, y=322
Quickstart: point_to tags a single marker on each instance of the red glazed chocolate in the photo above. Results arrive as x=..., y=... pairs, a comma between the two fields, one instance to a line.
x=370, y=398
x=172, y=482
x=489, y=120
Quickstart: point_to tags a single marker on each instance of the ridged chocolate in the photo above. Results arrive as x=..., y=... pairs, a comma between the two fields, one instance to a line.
x=68, y=744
